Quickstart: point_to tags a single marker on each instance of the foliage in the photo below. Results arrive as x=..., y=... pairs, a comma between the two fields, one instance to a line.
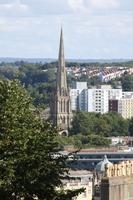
x=95, y=80
x=101, y=128
x=83, y=122
x=38, y=83
x=34, y=75
x=127, y=83
x=38, y=77
x=8, y=72
x=108, y=124
x=83, y=141
x=119, y=125
x=28, y=165
x=131, y=126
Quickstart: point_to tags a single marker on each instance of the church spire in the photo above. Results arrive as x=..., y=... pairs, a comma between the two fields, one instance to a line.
x=61, y=72
x=60, y=103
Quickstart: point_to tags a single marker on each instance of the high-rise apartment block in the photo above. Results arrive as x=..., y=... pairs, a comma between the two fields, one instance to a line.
x=92, y=100
x=77, y=93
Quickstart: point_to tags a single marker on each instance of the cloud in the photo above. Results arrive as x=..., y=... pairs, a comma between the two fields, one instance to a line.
x=49, y=7
x=76, y=4
x=104, y=4
x=13, y=9
x=92, y=28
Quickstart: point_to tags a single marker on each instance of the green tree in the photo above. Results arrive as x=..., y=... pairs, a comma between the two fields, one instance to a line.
x=8, y=72
x=83, y=122
x=119, y=125
x=131, y=126
x=28, y=165
x=95, y=80
x=101, y=128
x=127, y=83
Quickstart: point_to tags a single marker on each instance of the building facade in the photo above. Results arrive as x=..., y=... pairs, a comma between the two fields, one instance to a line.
x=124, y=106
x=77, y=93
x=83, y=178
x=117, y=182
x=89, y=160
x=93, y=100
x=60, y=103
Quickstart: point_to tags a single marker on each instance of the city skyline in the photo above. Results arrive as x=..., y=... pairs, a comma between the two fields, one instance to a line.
x=93, y=29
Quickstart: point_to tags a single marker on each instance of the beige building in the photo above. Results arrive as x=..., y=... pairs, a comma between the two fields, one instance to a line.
x=124, y=106
x=84, y=181
x=117, y=182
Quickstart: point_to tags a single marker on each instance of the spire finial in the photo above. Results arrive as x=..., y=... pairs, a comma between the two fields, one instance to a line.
x=61, y=24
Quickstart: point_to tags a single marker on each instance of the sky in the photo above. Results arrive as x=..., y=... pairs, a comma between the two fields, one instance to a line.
x=92, y=29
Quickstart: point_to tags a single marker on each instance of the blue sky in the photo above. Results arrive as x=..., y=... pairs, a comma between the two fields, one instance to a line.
x=92, y=29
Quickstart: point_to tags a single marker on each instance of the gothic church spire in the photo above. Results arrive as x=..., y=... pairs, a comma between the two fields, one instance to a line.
x=61, y=72
x=60, y=103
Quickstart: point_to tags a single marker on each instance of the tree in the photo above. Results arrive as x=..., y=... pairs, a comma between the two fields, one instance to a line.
x=127, y=83
x=131, y=126
x=28, y=165
x=8, y=71
x=119, y=125
x=83, y=122
x=101, y=128
x=95, y=80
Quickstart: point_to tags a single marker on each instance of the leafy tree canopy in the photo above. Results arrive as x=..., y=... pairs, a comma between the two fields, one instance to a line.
x=108, y=124
x=127, y=83
x=28, y=166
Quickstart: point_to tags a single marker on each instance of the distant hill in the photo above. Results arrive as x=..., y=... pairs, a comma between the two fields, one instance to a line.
x=48, y=60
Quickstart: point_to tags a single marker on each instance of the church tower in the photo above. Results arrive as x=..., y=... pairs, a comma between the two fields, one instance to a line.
x=60, y=103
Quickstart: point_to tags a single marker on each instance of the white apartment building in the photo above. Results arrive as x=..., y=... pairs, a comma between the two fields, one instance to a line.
x=95, y=99
x=77, y=93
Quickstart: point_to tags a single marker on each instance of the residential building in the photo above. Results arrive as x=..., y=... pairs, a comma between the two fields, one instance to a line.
x=127, y=94
x=77, y=92
x=124, y=106
x=83, y=178
x=93, y=100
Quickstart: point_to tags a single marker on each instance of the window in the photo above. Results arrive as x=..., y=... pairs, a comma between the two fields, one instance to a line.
x=84, y=194
x=98, y=156
x=71, y=181
x=84, y=163
x=88, y=156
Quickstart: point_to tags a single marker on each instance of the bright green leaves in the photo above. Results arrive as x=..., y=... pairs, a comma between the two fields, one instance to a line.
x=27, y=144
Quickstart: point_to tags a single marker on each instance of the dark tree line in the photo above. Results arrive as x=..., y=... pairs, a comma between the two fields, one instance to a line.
x=39, y=78
x=93, y=129
x=108, y=124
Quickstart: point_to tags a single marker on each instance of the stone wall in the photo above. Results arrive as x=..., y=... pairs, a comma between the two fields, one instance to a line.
x=117, y=183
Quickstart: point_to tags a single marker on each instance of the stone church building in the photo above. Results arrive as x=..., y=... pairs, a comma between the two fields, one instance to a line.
x=60, y=102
